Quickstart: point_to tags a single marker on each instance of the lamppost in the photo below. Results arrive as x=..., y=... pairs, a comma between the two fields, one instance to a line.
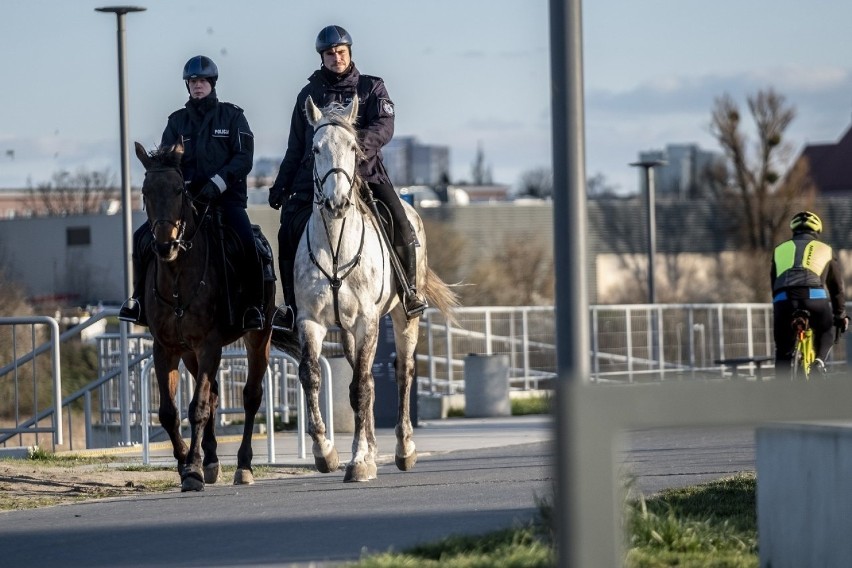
x=120, y=12
x=648, y=166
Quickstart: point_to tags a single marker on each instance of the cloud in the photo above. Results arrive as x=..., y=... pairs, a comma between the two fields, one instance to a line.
x=803, y=87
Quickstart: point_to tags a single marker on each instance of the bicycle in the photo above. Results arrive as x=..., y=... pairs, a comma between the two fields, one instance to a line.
x=803, y=348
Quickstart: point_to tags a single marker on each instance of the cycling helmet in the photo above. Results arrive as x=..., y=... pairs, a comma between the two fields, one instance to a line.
x=201, y=67
x=806, y=221
x=332, y=36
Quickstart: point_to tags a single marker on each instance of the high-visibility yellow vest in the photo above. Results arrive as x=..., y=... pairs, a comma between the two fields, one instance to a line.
x=800, y=265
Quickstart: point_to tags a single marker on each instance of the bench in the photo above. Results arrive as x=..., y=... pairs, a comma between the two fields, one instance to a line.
x=735, y=363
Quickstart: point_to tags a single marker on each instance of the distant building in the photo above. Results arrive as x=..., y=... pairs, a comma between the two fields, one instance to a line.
x=684, y=173
x=830, y=166
x=411, y=163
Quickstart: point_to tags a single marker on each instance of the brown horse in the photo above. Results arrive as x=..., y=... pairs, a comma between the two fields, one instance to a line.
x=186, y=308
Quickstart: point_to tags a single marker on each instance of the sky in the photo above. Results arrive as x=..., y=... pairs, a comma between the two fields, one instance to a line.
x=466, y=74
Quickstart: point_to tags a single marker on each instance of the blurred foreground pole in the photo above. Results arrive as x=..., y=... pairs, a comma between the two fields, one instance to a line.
x=569, y=235
x=120, y=12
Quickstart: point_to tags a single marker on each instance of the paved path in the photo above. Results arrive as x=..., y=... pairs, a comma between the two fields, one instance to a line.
x=473, y=476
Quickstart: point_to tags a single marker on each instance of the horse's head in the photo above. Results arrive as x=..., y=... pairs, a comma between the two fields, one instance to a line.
x=165, y=199
x=336, y=154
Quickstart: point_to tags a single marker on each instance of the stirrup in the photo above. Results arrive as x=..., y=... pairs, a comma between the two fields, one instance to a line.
x=130, y=311
x=252, y=319
x=414, y=304
x=284, y=318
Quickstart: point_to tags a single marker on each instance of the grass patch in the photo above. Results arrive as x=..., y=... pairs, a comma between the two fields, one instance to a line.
x=509, y=548
x=712, y=525
x=531, y=405
x=49, y=459
x=708, y=525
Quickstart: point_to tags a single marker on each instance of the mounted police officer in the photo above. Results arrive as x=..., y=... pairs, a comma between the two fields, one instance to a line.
x=218, y=155
x=806, y=275
x=338, y=80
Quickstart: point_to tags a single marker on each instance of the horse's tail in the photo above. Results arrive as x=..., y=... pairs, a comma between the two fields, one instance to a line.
x=441, y=296
x=286, y=341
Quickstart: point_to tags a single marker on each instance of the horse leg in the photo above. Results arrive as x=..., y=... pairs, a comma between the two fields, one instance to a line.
x=362, y=467
x=212, y=468
x=166, y=368
x=258, y=360
x=325, y=454
x=199, y=414
x=405, y=336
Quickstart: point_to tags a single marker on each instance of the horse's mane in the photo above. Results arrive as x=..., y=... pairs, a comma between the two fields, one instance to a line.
x=165, y=156
x=335, y=114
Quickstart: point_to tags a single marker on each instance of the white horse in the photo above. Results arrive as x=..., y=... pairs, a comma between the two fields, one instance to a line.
x=343, y=277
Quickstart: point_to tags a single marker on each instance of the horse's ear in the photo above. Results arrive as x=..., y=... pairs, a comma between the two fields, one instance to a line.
x=143, y=156
x=177, y=149
x=352, y=110
x=313, y=112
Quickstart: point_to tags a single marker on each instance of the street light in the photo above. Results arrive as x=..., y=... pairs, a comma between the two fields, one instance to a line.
x=648, y=166
x=120, y=12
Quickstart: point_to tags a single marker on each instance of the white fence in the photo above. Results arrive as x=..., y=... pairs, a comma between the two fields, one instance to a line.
x=629, y=343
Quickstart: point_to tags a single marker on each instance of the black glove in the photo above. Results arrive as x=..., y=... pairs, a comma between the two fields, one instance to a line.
x=276, y=197
x=209, y=192
x=841, y=323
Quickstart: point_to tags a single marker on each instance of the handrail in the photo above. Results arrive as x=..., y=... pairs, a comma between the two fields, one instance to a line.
x=55, y=339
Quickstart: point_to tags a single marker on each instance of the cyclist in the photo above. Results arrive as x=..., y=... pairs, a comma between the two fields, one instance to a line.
x=806, y=275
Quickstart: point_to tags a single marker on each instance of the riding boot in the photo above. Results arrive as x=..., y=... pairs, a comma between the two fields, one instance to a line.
x=131, y=310
x=413, y=302
x=285, y=315
x=253, y=316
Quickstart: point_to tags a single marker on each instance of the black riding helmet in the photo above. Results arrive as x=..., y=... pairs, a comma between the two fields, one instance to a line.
x=201, y=67
x=332, y=36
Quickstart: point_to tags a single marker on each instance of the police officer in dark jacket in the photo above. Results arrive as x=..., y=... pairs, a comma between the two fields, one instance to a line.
x=218, y=155
x=806, y=275
x=338, y=80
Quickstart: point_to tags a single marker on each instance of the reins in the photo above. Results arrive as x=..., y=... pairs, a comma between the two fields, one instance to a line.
x=335, y=279
x=177, y=306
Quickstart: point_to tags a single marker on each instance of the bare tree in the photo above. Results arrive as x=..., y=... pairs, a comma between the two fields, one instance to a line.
x=756, y=197
x=80, y=193
x=537, y=182
x=480, y=173
x=520, y=274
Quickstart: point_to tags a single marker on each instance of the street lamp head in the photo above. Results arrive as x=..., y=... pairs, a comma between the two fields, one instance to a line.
x=649, y=163
x=121, y=9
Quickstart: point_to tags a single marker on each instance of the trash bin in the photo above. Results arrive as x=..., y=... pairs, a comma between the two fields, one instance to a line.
x=386, y=404
x=341, y=376
x=486, y=386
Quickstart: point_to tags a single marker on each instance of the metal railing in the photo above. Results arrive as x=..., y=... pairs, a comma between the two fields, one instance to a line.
x=104, y=416
x=629, y=343
x=27, y=417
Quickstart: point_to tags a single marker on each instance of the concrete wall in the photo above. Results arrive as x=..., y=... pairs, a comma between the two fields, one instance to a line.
x=804, y=495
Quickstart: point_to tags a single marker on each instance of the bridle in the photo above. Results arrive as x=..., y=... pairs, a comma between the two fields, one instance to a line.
x=335, y=279
x=319, y=182
x=181, y=224
x=188, y=207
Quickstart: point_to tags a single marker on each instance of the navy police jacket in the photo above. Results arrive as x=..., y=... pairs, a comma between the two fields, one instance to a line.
x=374, y=125
x=218, y=146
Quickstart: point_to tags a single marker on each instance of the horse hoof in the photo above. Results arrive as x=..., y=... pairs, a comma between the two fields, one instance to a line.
x=243, y=476
x=406, y=463
x=361, y=471
x=211, y=472
x=191, y=483
x=327, y=463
